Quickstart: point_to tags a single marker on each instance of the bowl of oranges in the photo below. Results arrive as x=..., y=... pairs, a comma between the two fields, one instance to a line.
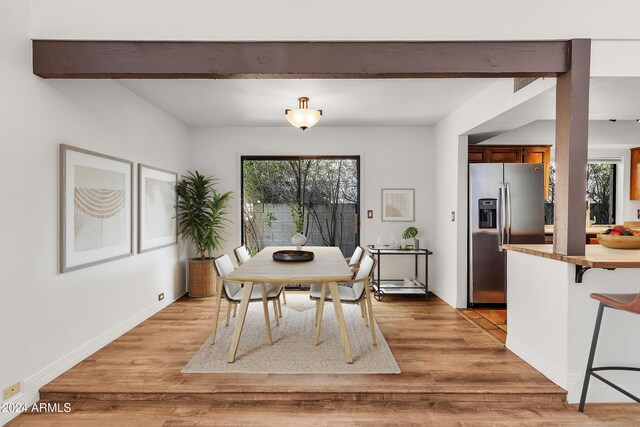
x=620, y=237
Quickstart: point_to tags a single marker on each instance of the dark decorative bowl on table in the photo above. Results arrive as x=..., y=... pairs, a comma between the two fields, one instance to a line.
x=289, y=255
x=620, y=237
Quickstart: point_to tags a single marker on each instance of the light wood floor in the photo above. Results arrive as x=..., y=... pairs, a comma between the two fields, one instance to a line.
x=493, y=321
x=452, y=374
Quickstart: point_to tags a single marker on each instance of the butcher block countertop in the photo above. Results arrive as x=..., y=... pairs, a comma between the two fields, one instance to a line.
x=595, y=229
x=596, y=256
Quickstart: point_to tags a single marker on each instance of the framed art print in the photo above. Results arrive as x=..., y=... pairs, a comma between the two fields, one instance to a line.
x=398, y=204
x=157, y=208
x=96, y=208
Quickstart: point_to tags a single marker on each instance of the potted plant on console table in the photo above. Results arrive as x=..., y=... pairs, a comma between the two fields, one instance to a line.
x=409, y=240
x=201, y=219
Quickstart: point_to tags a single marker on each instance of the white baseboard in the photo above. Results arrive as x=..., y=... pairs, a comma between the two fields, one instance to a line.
x=449, y=299
x=600, y=392
x=30, y=393
x=544, y=366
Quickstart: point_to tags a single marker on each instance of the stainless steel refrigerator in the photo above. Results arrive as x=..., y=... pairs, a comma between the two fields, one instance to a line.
x=506, y=205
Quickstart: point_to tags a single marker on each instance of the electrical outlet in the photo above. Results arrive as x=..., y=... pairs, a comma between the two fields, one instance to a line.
x=453, y=216
x=638, y=214
x=11, y=391
x=161, y=296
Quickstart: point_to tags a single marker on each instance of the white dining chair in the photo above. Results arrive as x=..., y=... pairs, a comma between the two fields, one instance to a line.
x=232, y=292
x=356, y=257
x=354, y=265
x=243, y=255
x=355, y=291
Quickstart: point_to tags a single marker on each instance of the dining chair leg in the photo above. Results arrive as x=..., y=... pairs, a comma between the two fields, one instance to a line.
x=244, y=305
x=235, y=307
x=265, y=306
x=217, y=309
x=284, y=296
x=319, y=309
x=372, y=325
x=337, y=305
x=228, y=313
x=363, y=311
x=279, y=308
x=275, y=312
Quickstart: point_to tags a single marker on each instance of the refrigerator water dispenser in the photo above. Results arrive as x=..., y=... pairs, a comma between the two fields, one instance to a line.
x=487, y=213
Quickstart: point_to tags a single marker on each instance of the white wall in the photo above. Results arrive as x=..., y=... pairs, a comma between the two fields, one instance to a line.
x=615, y=58
x=537, y=298
x=551, y=320
x=450, y=262
x=390, y=158
x=50, y=321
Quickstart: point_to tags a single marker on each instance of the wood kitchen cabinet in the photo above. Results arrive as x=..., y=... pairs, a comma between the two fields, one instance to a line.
x=477, y=155
x=486, y=154
x=634, y=187
x=505, y=155
x=539, y=154
x=522, y=154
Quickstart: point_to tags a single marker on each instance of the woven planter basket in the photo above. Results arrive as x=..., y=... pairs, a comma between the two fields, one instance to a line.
x=202, y=278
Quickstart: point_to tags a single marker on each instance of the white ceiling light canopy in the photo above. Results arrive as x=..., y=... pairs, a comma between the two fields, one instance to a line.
x=303, y=117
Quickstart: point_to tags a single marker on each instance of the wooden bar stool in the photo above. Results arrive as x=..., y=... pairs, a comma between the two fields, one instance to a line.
x=626, y=302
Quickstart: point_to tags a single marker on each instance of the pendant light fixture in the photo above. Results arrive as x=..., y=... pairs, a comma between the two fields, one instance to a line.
x=303, y=117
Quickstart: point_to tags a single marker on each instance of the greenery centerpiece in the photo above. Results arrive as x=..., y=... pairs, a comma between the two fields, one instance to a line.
x=201, y=220
x=409, y=238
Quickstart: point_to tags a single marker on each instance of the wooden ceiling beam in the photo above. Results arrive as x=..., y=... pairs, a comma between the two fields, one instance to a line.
x=79, y=59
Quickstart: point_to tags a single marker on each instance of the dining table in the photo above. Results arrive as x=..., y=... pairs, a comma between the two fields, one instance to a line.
x=328, y=267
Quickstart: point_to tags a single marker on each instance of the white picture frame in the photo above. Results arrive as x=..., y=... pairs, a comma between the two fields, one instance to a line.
x=398, y=204
x=157, y=208
x=96, y=208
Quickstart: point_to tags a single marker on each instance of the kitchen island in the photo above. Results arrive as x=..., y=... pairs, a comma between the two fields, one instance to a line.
x=551, y=317
x=591, y=232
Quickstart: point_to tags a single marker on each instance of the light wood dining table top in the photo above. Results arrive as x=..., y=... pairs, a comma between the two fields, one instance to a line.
x=328, y=265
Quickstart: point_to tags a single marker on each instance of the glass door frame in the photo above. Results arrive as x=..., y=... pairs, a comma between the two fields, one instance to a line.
x=355, y=157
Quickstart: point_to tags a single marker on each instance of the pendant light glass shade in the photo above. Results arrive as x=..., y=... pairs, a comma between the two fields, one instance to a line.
x=303, y=117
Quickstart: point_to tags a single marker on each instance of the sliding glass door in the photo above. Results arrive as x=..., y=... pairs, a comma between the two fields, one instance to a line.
x=318, y=196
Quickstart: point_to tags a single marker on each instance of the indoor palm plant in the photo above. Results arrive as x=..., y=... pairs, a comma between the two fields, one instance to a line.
x=201, y=219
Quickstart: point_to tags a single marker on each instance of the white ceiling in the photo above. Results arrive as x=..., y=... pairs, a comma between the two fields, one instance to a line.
x=609, y=98
x=380, y=102
x=397, y=102
x=602, y=134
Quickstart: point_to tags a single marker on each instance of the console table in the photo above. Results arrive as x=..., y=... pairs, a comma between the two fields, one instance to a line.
x=393, y=286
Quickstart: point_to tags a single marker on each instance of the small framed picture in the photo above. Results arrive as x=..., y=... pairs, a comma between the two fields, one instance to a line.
x=96, y=208
x=398, y=204
x=157, y=208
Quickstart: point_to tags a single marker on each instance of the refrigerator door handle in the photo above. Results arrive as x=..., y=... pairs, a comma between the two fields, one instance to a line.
x=507, y=209
x=500, y=217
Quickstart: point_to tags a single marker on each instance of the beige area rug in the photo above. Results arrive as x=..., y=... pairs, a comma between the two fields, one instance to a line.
x=293, y=351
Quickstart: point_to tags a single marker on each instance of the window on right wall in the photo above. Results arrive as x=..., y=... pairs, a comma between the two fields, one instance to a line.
x=600, y=197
